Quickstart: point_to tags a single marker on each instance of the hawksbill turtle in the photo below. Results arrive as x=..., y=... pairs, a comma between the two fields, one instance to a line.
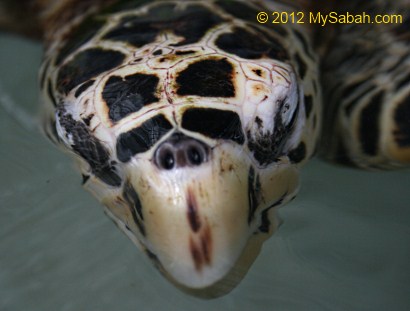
x=190, y=120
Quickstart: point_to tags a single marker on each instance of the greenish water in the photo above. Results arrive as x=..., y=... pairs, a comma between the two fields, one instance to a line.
x=344, y=244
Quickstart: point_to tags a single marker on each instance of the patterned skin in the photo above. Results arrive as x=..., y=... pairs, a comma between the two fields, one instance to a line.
x=190, y=122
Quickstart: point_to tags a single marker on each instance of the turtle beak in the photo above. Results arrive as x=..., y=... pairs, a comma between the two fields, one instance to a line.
x=198, y=221
x=195, y=218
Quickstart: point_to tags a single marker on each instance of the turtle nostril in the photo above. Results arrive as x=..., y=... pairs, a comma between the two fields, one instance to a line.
x=180, y=151
x=195, y=155
x=165, y=158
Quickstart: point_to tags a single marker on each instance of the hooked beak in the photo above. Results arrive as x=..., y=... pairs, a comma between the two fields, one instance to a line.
x=199, y=222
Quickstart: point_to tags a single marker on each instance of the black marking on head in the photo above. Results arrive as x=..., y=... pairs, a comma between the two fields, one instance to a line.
x=254, y=188
x=369, y=131
x=308, y=105
x=214, y=123
x=258, y=72
x=213, y=78
x=89, y=148
x=298, y=154
x=83, y=87
x=154, y=258
x=85, y=66
x=157, y=52
x=79, y=36
x=134, y=203
x=190, y=23
x=87, y=120
x=265, y=222
x=267, y=147
x=192, y=212
x=129, y=94
x=259, y=122
x=50, y=93
x=142, y=138
x=248, y=45
x=184, y=52
x=301, y=66
x=402, y=119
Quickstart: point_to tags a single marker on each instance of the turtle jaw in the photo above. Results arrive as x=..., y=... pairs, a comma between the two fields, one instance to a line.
x=202, y=225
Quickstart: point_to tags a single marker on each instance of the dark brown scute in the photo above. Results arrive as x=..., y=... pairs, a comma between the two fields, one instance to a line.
x=85, y=66
x=90, y=149
x=214, y=123
x=249, y=45
x=129, y=94
x=142, y=138
x=213, y=78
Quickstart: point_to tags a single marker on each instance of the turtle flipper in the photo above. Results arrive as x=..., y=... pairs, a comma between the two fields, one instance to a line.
x=367, y=87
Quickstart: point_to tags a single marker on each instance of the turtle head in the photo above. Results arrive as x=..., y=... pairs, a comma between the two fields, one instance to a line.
x=195, y=183
x=198, y=193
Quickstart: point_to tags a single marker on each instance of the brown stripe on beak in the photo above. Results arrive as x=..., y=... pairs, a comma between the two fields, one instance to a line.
x=192, y=213
x=201, y=250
